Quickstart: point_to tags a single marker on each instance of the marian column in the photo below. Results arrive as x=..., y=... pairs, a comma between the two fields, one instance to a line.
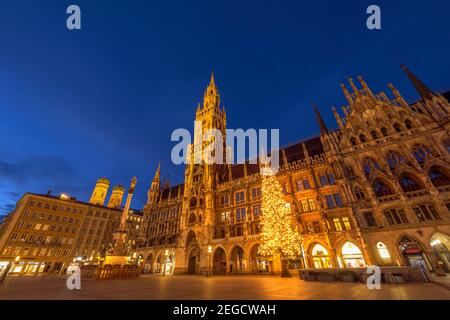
x=118, y=254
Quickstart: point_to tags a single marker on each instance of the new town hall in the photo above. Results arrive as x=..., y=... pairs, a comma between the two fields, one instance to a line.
x=374, y=191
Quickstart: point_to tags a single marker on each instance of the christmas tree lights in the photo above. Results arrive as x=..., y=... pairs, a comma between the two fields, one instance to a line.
x=278, y=228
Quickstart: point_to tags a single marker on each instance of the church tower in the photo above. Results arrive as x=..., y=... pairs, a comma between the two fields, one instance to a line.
x=115, y=200
x=100, y=191
x=198, y=213
x=200, y=175
x=152, y=194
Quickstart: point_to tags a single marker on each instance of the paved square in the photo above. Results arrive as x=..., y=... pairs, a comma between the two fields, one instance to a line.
x=219, y=287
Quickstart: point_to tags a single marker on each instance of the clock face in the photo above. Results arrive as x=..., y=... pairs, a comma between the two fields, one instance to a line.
x=368, y=114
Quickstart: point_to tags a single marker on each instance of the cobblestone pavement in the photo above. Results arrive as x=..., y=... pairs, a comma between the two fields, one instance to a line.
x=219, y=287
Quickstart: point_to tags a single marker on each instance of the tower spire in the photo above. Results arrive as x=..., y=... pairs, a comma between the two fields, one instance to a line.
x=421, y=88
x=157, y=173
x=212, y=82
x=323, y=127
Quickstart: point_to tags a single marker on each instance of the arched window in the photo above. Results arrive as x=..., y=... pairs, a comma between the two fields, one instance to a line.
x=394, y=159
x=383, y=251
x=369, y=165
x=352, y=256
x=384, y=132
x=193, y=202
x=420, y=152
x=397, y=127
x=374, y=134
x=321, y=257
x=408, y=124
x=362, y=138
x=381, y=189
x=359, y=194
x=438, y=177
x=353, y=141
x=408, y=183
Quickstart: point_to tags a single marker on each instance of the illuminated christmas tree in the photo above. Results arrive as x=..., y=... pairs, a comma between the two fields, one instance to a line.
x=278, y=228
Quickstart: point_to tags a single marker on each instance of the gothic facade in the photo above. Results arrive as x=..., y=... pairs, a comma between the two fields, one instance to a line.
x=374, y=191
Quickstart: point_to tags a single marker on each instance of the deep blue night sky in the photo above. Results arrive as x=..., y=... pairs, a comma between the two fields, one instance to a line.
x=103, y=101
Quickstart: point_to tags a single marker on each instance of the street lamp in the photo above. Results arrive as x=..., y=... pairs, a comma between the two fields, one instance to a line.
x=166, y=254
x=209, y=261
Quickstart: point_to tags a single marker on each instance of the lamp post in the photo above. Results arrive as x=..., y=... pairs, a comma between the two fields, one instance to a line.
x=166, y=254
x=209, y=261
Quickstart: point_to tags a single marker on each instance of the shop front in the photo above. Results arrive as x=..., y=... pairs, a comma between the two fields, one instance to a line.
x=352, y=256
x=321, y=257
x=413, y=254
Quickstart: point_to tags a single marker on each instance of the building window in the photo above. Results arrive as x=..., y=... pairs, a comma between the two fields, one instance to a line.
x=383, y=251
x=256, y=193
x=240, y=214
x=225, y=216
x=381, y=189
x=371, y=222
x=311, y=204
x=337, y=224
x=256, y=211
x=426, y=213
x=347, y=224
x=331, y=179
x=334, y=201
x=396, y=216
x=408, y=183
x=421, y=152
x=239, y=197
x=327, y=179
x=224, y=200
x=306, y=184
x=308, y=205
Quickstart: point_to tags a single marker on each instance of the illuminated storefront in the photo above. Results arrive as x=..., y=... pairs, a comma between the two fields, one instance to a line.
x=321, y=258
x=352, y=256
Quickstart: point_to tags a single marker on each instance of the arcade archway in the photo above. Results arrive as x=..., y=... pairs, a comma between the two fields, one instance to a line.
x=148, y=264
x=440, y=244
x=237, y=260
x=220, y=261
x=413, y=253
x=258, y=264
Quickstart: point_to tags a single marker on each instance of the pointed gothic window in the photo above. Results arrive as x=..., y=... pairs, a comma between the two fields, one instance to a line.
x=374, y=134
x=397, y=127
x=381, y=189
x=384, y=132
x=362, y=138
x=409, y=183
x=394, y=159
x=438, y=177
x=369, y=165
x=420, y=152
